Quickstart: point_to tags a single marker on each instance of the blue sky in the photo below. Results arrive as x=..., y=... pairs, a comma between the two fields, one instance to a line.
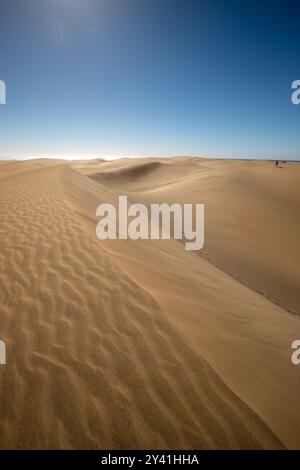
x=149, y=77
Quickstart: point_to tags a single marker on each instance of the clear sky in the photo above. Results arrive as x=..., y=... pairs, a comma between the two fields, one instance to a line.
x=150, y=77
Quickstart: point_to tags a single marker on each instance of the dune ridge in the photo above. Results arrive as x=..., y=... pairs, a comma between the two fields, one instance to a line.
x=253, y=209
x=99, y=354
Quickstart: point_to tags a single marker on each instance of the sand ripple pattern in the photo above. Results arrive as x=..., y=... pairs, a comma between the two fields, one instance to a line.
x=92, y=360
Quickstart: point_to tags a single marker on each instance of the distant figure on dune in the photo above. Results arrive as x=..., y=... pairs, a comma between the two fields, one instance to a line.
x=276, y=163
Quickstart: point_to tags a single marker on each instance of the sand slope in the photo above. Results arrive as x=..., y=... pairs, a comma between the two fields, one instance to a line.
x=252, y=213
x=123, y=344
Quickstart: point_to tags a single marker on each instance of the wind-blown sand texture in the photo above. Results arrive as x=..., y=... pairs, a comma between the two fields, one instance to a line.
x=141, y=344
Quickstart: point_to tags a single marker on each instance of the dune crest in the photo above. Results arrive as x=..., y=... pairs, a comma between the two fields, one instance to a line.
x=99, y=354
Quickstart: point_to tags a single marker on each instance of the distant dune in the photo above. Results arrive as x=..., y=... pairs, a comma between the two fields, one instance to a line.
x=140, y=344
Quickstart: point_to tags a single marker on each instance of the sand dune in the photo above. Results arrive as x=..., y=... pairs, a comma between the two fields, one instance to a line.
x=253, y=213
x=140, y=344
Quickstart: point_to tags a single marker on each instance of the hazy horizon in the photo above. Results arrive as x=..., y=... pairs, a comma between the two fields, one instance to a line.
x=119, y=157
